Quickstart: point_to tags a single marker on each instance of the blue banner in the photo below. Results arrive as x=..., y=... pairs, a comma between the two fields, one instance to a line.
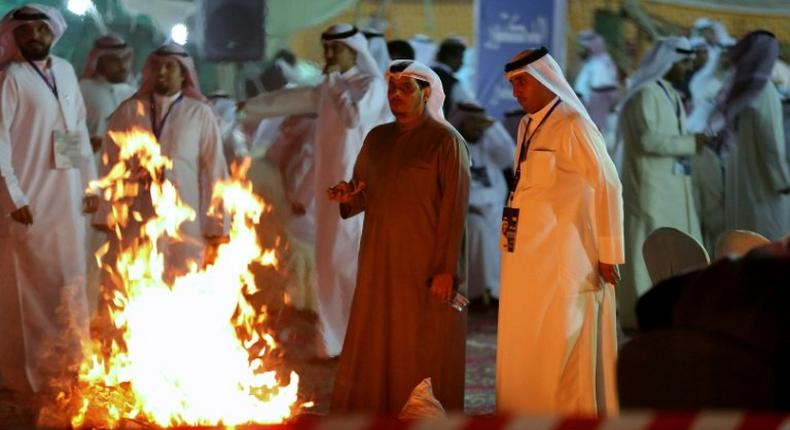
x=505, y=27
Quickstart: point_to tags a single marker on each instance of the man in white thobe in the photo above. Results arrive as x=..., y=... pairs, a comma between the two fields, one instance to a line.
x=657, y=185
x=169, y=104
x=45, y=167
x=104, y=84
x=562, y=241
x=292, y=155
x=350, y=101
x=377, y=46
x=757, y=175
x=491, y=150
x=706, y=82
x=234, y=142
x=597, y=83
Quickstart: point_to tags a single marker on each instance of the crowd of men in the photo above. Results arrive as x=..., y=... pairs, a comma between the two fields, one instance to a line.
x=405, y=198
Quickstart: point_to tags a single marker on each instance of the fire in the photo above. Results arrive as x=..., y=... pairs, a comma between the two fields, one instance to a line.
x=190, y=351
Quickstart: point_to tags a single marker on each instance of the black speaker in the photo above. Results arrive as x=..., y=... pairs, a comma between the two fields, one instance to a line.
x=232, y=30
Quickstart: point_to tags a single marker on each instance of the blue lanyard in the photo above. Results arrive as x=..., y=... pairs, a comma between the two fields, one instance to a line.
x=157, y=128
x=52, y=86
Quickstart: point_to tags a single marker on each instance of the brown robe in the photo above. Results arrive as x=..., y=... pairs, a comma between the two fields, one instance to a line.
x=415, y=203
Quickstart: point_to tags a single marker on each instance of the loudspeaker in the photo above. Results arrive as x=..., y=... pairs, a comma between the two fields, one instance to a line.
x=232, y=30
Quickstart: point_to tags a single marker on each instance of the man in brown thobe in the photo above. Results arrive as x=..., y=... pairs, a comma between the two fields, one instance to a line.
x=411, y=179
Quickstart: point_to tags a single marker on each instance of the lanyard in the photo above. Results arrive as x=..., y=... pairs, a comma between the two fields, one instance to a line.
x=522, y=150
x=676, y=105
x=52, y=86
x=157, y=128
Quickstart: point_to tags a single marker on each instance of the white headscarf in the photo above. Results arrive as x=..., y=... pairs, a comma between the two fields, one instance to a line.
x=699, y=81
x=723, y=38
x=378, y=49
x=350, y=36
x=540, y=64
x=107, y=45
x=23, y=15
x=656, y=63
x=191, y=86
x=753, y=58
x=417, y=70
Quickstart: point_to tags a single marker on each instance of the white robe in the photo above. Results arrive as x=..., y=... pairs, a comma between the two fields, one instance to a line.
x=494, y=153
x=348, y=106
x=191, y=139
x=292, y=155
x=101, y=100
x=597, y=86
x=656, y=191
x=758, y=167
x=556, y=342
x=293, y=152
x=43, y=307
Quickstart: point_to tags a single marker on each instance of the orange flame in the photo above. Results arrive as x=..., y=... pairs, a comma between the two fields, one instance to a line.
x=183, y=357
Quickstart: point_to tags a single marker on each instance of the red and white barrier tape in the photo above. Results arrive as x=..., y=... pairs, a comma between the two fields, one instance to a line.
x=626, y=421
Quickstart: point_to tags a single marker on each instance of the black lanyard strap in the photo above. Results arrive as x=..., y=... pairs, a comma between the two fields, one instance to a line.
x=522, y=150
x=53, y=86
x=157, y=128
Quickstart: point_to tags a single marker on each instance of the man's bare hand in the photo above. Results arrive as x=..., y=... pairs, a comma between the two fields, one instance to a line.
x=442, y=286
x=298, y=209
x=90, y=204
x=96, y=143
x=344, y=191
x=609, y=272
x=22, y=215
x=701, y=141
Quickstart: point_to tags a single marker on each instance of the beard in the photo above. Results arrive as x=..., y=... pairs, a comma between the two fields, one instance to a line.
x=35, y=51
x=161, y=88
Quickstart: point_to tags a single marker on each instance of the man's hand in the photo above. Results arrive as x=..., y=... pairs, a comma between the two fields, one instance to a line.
x=609, y=272
x=90, y=204
x=442, y=286
x=701, y=140
x=298, y=209
x=22, y=215
x=344, y=191
x=212, y=247
x=96, y=143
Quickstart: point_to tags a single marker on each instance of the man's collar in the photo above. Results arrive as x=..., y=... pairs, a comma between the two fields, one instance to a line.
x=537, y=116
x=43, y=64
x=166, y=100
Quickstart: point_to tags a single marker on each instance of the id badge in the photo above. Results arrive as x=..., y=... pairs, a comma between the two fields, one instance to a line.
x=68, y=150
x=509, y=228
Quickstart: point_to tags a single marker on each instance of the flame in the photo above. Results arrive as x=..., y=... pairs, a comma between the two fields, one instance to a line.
x=191, y=351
